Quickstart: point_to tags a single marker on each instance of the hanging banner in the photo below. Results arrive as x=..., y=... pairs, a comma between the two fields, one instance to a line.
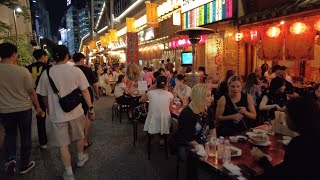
x=203, y=12
x=92, y=45
x=271, y=47
x=113, y=35
x=152, y=15
x=132, y=51
x=304, y=49
x=108, y=38
x=103, y=40
x=176, y=19
x=130, y=22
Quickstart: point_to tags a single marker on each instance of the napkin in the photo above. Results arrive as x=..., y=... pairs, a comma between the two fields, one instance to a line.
x=234, y=169
x=201, y=151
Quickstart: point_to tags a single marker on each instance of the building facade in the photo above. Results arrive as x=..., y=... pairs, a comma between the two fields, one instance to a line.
x=40, y=19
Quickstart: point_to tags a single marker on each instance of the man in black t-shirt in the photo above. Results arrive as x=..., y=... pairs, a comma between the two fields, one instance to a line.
x=36, y=70
x=78, y=59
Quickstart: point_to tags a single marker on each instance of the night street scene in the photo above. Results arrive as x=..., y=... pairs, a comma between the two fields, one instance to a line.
x=159, y=89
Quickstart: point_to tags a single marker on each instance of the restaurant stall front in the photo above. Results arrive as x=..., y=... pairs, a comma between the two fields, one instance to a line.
x=290, y=37
x=219, y=51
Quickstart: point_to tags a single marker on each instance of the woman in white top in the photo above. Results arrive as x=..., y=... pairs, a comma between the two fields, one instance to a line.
x=160, y=101
x=119, y=91
x=181, y=90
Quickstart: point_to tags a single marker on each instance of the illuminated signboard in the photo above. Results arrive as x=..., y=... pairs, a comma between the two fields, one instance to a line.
x=184, y=42
x=208, y=13
x=68, y=2
x=187, y=5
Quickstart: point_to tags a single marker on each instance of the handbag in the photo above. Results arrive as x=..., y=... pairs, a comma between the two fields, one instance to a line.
x=68, y=102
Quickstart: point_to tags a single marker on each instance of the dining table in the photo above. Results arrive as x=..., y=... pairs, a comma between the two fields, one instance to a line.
x=275, y=150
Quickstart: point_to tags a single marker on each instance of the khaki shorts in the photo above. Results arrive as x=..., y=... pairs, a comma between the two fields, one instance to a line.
x=66, y=132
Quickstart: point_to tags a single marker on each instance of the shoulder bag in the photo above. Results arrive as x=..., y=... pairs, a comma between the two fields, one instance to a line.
x=68, y=102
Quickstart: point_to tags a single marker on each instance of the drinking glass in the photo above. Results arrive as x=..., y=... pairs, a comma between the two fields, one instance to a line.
x=212, y=146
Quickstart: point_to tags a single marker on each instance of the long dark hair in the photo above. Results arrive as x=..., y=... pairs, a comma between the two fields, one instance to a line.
x=120, y=78
x=275, y=85
x=251, y=80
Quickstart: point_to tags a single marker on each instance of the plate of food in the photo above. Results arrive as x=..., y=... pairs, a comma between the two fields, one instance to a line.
x=241, y=138
x=235, y=151
x=259, y=138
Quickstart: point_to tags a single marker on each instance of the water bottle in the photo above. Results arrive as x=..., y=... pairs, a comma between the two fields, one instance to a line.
x=220, y=147
x=227, y=152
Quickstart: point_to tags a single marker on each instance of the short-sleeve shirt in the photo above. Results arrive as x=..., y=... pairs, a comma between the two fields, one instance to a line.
x=91, y=77
x=15, y=81
x=36, y=70
x=118, y=90
x=66, y=78
x=195, y=127
x=186, y=91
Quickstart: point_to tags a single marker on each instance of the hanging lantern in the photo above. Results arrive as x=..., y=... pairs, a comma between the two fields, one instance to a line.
x=253, y=35
x=273, y=32
x=317, y=25
x=130, y=23
x=113, y=35
x=103, y=40
x=238, y=36
x=298, y=28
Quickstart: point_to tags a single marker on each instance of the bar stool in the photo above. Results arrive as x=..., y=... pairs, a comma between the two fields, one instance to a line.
x=117, y=109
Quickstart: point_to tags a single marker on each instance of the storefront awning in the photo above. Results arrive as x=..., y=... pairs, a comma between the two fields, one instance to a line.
x=300, y=7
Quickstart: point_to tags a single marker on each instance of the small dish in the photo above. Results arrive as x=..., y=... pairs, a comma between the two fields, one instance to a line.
x=233, y=139
x=258, y=131
x=235, y=151
x=267, y=143
x=242, y=138
x=286, y=138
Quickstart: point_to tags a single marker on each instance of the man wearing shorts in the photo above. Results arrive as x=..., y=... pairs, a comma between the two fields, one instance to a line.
x=78, y=59
x=66, y=126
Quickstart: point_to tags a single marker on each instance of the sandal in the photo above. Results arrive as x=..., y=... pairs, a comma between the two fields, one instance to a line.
x=87, y=146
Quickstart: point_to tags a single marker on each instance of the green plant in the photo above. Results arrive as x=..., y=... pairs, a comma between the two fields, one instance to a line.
x=25, y=57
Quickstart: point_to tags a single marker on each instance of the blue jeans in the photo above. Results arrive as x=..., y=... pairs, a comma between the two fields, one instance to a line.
x=18, y=120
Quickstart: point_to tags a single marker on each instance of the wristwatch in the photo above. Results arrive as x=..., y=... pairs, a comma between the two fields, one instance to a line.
x=91, y=109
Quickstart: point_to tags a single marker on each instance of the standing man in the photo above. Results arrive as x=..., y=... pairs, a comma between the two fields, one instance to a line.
x=78, y=59
x=36, y=70
x=66, y=126
x=169, y=66
x=16, y=93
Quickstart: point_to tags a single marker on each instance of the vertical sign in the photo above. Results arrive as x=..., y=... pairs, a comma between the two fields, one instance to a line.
x=152, y=15
x=132, y=48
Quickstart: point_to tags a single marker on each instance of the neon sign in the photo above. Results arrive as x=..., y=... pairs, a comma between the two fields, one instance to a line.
x=184, y=42
x=208, y=13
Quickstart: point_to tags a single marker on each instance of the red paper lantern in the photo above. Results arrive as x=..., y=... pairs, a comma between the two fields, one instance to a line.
x=317, y=25
x=238, y=36
x=273, y=32
x=298, y=28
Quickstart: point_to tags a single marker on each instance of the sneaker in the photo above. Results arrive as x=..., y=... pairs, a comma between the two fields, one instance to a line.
x=10, y=168
x=28, y=168
x=85, y=158
x=65, y=176
x=42, y=147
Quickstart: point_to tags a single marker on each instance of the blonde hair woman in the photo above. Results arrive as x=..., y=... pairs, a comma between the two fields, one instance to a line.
x=195, y=124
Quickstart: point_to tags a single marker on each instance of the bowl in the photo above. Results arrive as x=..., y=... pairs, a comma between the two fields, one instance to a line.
x=259, y=139
x=233, y=139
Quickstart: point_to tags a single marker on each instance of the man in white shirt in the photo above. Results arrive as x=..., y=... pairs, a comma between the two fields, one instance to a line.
x=66, y=126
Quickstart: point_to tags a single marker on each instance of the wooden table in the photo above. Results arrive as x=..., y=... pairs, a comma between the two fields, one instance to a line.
x=275, y=150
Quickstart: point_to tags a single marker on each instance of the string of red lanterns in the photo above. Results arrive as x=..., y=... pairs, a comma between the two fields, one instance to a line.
x=274, y=31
